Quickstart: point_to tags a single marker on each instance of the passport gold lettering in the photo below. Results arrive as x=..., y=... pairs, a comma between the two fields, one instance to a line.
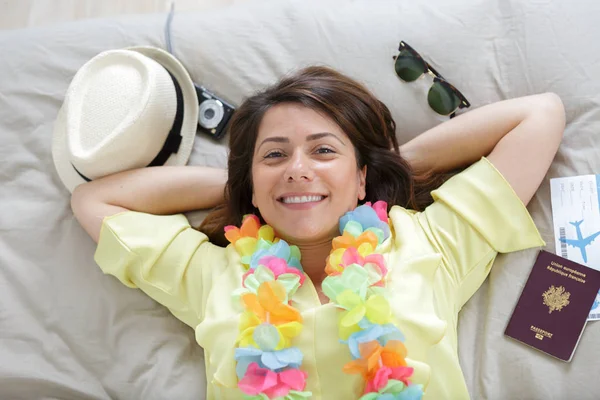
x=576, y=278
x=540, y=332
x=570, y=273
x=558, y=271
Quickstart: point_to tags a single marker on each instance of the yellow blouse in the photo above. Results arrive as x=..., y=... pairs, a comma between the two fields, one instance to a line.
x=437, y=260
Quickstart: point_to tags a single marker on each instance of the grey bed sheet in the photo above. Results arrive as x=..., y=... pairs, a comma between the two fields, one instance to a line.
x=69, y=332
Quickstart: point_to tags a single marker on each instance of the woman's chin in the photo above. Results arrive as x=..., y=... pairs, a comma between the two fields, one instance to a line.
x=302, y=233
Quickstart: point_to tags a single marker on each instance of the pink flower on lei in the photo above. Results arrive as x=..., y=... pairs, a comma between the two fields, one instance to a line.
x=384, y=374
x=274, y=384
x=278, y=266
x=352, y=256
x=338, y=260
x=380, y=208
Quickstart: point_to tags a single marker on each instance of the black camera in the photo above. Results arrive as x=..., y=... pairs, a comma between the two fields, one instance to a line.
x=214, y=113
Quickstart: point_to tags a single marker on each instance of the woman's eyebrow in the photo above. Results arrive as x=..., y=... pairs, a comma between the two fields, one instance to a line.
x=276, y=139
x=316, y=136
x=313, y=136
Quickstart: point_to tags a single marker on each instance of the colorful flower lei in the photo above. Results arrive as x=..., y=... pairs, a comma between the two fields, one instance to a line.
x=268, y=367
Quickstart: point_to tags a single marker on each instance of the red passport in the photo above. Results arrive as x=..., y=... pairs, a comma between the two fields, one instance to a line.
x=554, y=305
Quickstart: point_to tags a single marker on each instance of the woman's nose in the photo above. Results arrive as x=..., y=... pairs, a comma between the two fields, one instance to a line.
x=299, y=168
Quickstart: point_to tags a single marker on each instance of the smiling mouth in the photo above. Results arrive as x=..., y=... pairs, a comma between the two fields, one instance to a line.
x=301, y=199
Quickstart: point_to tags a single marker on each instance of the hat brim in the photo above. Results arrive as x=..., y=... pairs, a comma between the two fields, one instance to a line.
x=60, y=154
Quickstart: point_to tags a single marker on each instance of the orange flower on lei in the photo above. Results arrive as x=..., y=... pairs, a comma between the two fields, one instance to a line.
x=268, y=307
x=374, y=356
x=364, y=244
x=366, y=240
x=248, y=235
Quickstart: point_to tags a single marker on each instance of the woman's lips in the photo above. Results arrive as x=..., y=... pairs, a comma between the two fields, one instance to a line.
x=301, y=202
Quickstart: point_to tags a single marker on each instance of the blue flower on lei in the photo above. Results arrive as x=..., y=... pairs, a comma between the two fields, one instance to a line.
x=370, y=332
x=266, y=337
x=368, y=220
x=274, y=360
x=291, y=254
x=412, y=392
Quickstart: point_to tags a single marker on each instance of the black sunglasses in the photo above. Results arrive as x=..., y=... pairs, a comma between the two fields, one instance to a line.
x=443, y=98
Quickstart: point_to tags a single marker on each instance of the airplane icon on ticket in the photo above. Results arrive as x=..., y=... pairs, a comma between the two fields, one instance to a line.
x=581, y=243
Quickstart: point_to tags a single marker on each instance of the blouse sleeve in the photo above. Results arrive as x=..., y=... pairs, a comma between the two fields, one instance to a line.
x=475, y=215
x=164, y=257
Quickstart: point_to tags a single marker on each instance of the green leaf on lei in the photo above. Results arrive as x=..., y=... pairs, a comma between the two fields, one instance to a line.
x=295, y=395
x=266, y=337
x=355, y=306
x=237, y=298
x=291, y=282
x=378, y=310
x=380, y=290
x=370, y=396
x=348, y=299
x=262, y=274
x=354, y=228
x=373, y=273
x=261, y=396
x=393, y=387
x=263, y=244
x=378, y=232
x=354, y=277
x=292, y=395
x=246, y=260
x=295, y=252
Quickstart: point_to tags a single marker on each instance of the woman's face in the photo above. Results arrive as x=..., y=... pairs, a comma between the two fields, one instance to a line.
x=304, y=173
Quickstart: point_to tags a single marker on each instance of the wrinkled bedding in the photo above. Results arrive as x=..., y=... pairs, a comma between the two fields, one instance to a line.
x=69, y=332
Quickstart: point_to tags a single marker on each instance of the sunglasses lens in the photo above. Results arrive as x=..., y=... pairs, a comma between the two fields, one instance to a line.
x=442, y=99
x=408, y=67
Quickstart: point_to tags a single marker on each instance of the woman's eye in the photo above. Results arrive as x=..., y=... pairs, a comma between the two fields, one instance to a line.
x=274, y=154
x=325, y=150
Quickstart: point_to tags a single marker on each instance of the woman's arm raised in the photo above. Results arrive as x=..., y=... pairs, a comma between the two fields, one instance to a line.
x=519, y=136
x=154, y=190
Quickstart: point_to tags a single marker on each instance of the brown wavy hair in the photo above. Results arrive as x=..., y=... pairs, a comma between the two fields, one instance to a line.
x=367, y=122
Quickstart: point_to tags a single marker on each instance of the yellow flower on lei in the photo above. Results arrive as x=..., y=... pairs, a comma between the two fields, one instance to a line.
x=269, y=307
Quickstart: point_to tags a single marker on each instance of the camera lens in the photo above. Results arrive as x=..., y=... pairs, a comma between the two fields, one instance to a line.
x=210, y=113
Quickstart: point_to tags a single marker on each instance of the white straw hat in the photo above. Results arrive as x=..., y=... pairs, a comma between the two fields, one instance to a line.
x=125, y=109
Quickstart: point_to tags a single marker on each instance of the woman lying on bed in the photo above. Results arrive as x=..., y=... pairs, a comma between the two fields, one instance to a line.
x=334, y=287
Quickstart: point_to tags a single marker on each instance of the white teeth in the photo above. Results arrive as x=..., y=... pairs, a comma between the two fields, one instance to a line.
x=301, y=199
